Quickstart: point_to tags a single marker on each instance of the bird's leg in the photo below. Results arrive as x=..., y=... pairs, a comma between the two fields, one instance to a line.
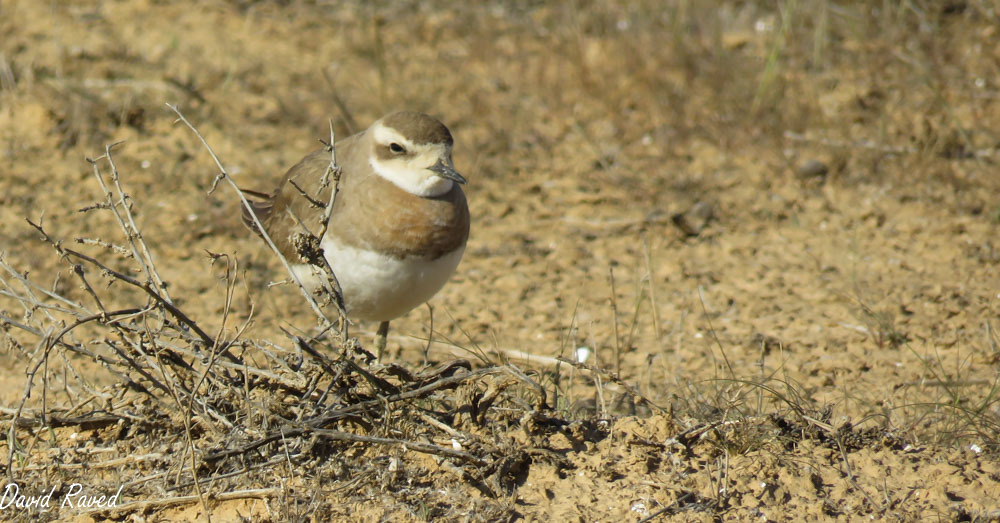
x=380, y=335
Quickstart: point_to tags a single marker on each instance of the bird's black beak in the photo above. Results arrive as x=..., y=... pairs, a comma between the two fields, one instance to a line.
x=445, y=170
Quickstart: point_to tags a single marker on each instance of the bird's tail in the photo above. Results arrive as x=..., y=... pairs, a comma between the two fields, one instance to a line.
x=260, y=208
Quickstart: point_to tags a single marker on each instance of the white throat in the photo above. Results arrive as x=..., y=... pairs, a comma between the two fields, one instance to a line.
x=413, y=181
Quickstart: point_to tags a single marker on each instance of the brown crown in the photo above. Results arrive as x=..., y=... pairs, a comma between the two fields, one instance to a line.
x=419, y=128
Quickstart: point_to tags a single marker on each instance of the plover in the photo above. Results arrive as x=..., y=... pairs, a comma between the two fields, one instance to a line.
x=399, y=223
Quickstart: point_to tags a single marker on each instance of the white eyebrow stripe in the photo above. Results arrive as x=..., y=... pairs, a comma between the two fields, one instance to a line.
x=386, y=135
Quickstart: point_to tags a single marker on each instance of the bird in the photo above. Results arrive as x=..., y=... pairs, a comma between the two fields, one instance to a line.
x=398, y=225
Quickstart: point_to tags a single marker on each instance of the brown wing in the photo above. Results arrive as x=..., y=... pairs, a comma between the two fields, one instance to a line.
x=286, y=210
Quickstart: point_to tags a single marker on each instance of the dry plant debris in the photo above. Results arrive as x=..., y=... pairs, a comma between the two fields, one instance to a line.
x=217, y=411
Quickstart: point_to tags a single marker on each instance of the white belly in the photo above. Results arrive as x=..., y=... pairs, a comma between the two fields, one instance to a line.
x=378, y=287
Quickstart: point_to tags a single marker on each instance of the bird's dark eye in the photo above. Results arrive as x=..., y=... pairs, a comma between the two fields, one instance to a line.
x=396, y=148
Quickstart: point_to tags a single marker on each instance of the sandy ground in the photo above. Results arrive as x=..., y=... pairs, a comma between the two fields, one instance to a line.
x=778, y=225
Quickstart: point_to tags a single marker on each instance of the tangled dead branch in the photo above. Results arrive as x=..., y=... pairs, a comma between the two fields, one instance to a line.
x=219, y=414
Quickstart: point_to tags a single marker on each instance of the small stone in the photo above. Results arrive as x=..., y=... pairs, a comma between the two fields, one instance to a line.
x=812, y=169
x=694, y=220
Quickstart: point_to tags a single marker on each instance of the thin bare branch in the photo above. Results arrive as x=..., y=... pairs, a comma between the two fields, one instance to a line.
x=224, y=175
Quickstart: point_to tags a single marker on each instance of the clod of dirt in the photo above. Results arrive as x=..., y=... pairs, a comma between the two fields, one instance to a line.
x=812, y=169
x=692, y=221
